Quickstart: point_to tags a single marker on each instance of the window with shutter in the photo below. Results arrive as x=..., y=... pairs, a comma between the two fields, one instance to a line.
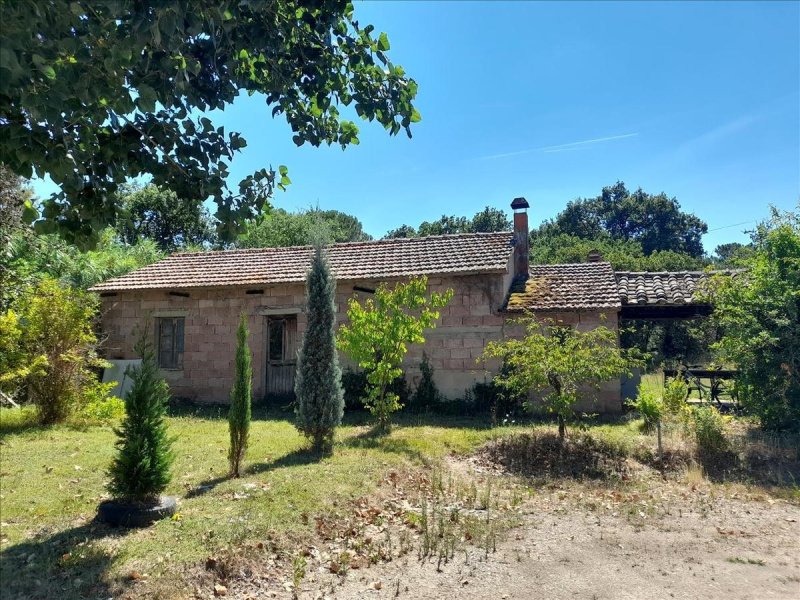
x=169, y=339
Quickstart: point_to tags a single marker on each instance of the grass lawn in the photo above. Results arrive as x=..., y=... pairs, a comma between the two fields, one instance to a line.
x=53, y=479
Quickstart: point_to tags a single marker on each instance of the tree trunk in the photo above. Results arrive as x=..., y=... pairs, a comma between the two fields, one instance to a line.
x=562, y=428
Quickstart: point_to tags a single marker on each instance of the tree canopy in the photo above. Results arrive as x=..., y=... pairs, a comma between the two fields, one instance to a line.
x=548, y=248
x=759, y=315
x=280, y=228
x=486, y=221
x=655, y=222
x=95, y=93
x=161, y=216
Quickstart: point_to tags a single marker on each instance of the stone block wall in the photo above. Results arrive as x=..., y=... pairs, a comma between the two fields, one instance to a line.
x=454, y=347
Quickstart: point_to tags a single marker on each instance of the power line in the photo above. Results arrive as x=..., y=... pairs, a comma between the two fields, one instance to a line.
x=729, y=226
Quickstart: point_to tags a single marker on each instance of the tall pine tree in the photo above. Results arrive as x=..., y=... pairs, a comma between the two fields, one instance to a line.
x=141, y=469
x=318, y=382
x=241, y=398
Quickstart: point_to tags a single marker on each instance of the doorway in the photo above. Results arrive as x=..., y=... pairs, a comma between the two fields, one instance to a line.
x=281, y=355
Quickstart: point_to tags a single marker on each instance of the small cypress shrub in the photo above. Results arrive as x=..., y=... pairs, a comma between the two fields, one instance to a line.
x=241, y=399
x=427, y=394
x=318, y=380
x=141, y=469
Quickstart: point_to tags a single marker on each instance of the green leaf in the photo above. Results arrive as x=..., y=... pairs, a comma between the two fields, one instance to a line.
x=147, y=98
x=383, y=42
x=29, y=213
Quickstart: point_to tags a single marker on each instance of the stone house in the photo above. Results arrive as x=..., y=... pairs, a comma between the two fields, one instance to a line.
x=191, y=303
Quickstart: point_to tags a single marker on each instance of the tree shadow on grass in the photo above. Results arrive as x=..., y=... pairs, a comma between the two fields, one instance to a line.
x=376, y=439
x=67, y=564
x=299, y=457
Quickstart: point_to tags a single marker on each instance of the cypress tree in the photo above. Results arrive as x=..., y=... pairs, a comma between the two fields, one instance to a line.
x=318, y=380
x=141, y=469
x=241, y=397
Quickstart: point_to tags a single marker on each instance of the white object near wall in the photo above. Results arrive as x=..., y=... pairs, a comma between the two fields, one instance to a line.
x=118, y=372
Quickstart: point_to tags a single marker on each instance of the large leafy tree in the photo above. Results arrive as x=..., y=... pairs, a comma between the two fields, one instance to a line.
x=759, y=313
x=656, y=222
x=280, y=228
x=487, y=220
x=32, y=257
x=94, y=93
x=15, y=199
x=161, y=216
x=625, y=255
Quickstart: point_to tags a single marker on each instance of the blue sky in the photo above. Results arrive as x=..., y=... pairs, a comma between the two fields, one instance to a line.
x=552, y=101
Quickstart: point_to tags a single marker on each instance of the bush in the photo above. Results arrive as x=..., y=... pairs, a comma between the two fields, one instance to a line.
x=543, y=454
x=675, y=393
x=427, y=394
x=355, y=386
x=58, y=334
x=650, y=406
x=488, y=397
x=99, y=406
x=709, y=430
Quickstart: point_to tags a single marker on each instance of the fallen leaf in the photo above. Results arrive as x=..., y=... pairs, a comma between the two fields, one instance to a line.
x=220, y=590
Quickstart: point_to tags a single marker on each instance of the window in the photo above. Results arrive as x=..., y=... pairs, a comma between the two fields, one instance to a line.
x=169, y=337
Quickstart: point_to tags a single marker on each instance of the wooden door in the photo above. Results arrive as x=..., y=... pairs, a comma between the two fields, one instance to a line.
x=281, y=355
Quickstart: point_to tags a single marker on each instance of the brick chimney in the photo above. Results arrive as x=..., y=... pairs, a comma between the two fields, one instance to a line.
x=594, y=256
x=521, y=244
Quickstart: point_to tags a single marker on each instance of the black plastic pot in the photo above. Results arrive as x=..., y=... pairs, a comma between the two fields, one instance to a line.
x=124, y=513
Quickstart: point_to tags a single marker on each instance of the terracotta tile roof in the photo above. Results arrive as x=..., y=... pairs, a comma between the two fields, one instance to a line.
x=662, y=288
x=576, y=286
x=444, y=254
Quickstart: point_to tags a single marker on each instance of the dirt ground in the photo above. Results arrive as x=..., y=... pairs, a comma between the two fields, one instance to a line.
x=643, y=536
x=656, y=539
x=738, y=550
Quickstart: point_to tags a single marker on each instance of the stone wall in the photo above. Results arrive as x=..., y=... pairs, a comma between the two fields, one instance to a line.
x=211, y=316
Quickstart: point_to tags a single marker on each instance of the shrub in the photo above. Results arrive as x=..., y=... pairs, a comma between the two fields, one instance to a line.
x=100, y=406
x=318, y=383
x=427, y=394
x=709, y=430
x=141, y=469
x=354, y=385
x=15, y=363
x=241, y=399
x=488, y=397
x=58, y=334
x=650, y=406
x=675, y=393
